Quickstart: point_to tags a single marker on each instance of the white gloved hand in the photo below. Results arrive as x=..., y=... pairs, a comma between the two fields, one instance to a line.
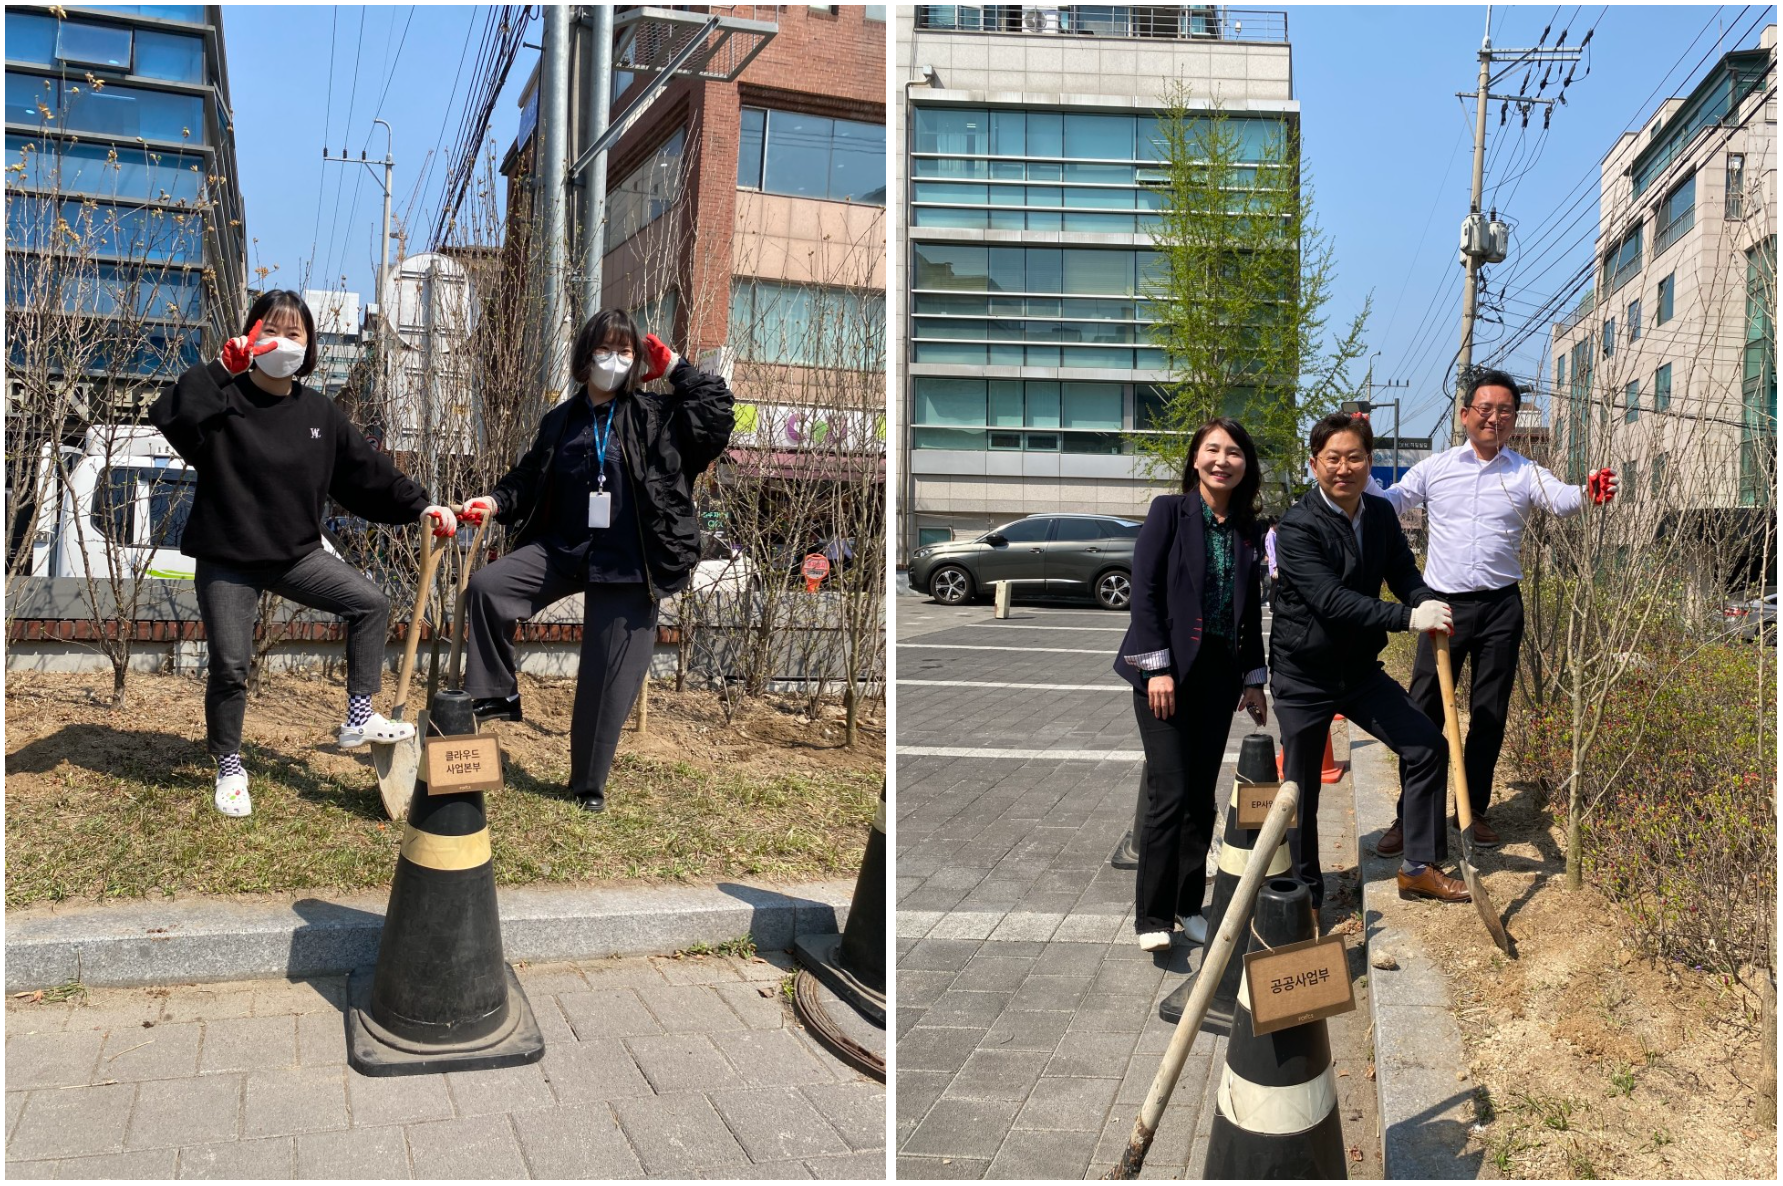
x=1434, y=616
x=445, y=523
x=478, y=509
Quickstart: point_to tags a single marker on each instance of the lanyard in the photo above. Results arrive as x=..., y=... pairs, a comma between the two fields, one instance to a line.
x=600, y=442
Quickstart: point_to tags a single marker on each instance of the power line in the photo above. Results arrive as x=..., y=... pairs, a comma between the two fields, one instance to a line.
x=309, y=263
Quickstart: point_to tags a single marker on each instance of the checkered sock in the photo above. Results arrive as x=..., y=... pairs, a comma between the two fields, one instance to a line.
x=1411, y=868
x=229, y=764
x=358, y=711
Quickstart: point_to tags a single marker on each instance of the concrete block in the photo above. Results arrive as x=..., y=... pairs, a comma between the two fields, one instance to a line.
x=174, y=1112
x=1026, y=925
x=469, y=1147
x=962, y=1128
x=322, y=1039
x=52, y=1059
x=591, y=1072
x=678, y=1135
x=1091, y=1056
x=682, y=1062
x=1027, y=1031
x=914, y=924
x=691, y=1009
x=777, y=1123
x=967, y=1010
x=582, y=1143
x=866, y=1166
x=164, y=1052
x=759, y=1004
x=968, y=924
x=856, y=1110
x=358, y=1154
x=771, y=1058
x=404, y=1099
x=930, y=1048
x=272, y=1159
x=248, y=1044
x=191, y=1002
x=607, y=1013
x=1079, y=1105
x=1042, y=1155
x=503, y=1089
x=998, y=1075
x=145, y=1165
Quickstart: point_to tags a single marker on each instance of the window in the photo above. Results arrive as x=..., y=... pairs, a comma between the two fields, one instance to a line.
x=812, y=156
x=933, y=535
x=647, y=193
x=30, y=38
x=1667, y=287
x=1009, y=414
x=1025, y=531
x=657, y=315
x=1623, y=263
x=1609, y=337
x=1677, y=214
x=191, y=14
x=124, y=112
x=1758, y=386
x=1656, y=480
x=807, y=325
x=1559, y=371
x=1736, y=185
x=1070, y=529
x=81, y=44
x=133, y=234
x=116, y=500
x=170, y=56
x=1630, y=477
x=84, y=169
x=876, y=12
x=1634, y=320
x=1662, y=388
x=1631, y=402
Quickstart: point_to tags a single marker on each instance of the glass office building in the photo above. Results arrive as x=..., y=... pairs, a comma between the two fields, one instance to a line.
x=122, y=203
x=1035, y=175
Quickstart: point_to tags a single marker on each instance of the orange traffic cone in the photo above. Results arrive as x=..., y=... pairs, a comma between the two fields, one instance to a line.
x=1330, y=770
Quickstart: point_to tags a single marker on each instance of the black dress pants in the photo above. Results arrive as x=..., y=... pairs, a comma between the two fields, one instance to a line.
x=1182, y=762
x=1488, y=634
x=1381, y=708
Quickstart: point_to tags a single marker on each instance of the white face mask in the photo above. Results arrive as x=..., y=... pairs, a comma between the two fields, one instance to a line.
x=608, y=373
x=282, y=361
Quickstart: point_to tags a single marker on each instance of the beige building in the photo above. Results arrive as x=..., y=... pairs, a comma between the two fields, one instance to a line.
x=1022, y=363
x=1666, y=370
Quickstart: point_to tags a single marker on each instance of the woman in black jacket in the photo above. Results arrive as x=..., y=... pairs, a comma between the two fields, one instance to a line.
x=270, y=453
x=602, y=505
x=1197, y=628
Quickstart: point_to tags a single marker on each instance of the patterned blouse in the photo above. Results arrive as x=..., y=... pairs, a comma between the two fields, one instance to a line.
x=1222, y=564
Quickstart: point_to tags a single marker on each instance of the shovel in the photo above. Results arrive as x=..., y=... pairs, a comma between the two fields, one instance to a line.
x=1445, y=675
x=454, y=669
x=398, y=762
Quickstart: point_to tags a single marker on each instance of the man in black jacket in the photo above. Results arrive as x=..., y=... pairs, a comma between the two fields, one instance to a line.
x=1334, y=548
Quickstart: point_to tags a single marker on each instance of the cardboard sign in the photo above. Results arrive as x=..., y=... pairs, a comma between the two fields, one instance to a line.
x=1254, y=799
x=459, y=764
x=1297, y=983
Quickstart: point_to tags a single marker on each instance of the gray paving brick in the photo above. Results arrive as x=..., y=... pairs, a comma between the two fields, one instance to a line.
x=1075, y=1104
x=289, y=1100
x=917, y=1092
x=771, y=1171
x=682, y=1062
x=777, y=1123
x=607, y=1013
x=855, y=1110
x=1041, y=1155
x=998, y=1075
x=691, y=1009
x=73, y=1121
x=114, y=1009
x=591, y=1072
x=868, y=1166
x=989, y=971
x=579, y=1143
x=15, y=1103
x=322, y=1040
x=940, y=955
x=1047, y=993
x=1112, y=1015
x=199, y=1002
x=1028, y=1031
x=963, y=1128
x=481, y=1147
x=678, y=1135
x=356, y=1154
x=760, y=1004
x=273, y=1158
x=764, y=966
x=44, y=1017
x=967, y=1010
x=549, y=979
x=503, y=1089
x=927, y=1048
x=399, y=1099
x=553, y=1026
x=603, y=975
x=248, y=1044
x=313, y=994
x=695, y=969
x=921, y=989
x=772, y=1058
x=31, y=1171
x=51, y=1059
x=163, y=1052
x=1091, y=1056
x=190, y=1111
x=141, y=1165
x=935, y=1168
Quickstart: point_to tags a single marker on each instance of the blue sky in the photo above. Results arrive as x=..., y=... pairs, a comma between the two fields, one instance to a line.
x=1387, y=145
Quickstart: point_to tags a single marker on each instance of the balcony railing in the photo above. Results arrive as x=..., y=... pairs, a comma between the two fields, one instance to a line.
x=1184, y=22
x=1587, y=303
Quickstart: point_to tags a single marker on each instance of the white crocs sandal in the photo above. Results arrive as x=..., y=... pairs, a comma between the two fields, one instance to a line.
x=376, y=728
x=232, y=795
x=1154, y=941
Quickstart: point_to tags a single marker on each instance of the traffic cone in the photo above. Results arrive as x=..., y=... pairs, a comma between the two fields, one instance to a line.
x=1126, y=853
x=442, y=998
x=1256, y=761
x=1277, y=1114
x=851, y=966
x=1329, y=770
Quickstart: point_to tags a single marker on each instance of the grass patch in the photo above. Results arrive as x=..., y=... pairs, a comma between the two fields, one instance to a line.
x=132, y=831
x=743, y=947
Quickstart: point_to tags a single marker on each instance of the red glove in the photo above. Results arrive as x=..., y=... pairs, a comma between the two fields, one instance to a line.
x=1601, y=485
x=475, y=510
x=445, y=524
x=239, y=353
x=661, y=358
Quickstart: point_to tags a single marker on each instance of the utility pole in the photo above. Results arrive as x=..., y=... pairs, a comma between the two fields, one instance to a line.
x=594, y=179
x=1470, y=289
x=389, y=163
x=553, y=168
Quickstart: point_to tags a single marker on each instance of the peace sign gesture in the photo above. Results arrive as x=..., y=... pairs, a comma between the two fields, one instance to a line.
x=239, y=353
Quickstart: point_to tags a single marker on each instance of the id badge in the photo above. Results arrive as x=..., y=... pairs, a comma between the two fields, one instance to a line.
x=600, y=508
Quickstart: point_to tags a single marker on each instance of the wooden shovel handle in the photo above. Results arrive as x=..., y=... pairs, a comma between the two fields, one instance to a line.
x=458, y=631
x=1445, y=678
x=430, y=559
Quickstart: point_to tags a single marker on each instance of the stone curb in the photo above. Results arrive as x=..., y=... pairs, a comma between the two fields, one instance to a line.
x=1425, y=1111
x=181, y=942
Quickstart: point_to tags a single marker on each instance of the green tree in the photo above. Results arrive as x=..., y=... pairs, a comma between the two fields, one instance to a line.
x=1240, y=291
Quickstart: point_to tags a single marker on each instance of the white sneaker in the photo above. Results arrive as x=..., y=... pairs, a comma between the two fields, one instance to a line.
x=232, y=795
x=376, y=728
x=1194, y=926
x=1154, y=941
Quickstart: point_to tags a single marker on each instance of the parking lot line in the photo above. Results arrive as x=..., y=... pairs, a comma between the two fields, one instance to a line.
x=1024, y=755
x=968, y=683
x=960, y=646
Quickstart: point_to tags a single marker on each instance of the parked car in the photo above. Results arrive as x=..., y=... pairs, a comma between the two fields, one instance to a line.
x=1058, y=555
x=723, y=568
x=1755, y=619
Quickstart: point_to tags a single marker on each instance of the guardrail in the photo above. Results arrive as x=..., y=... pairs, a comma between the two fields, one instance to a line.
x=1188, y=22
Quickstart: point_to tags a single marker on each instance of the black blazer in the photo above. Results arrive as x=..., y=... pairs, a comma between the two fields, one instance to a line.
x=1330, y=622
x=1169, y=572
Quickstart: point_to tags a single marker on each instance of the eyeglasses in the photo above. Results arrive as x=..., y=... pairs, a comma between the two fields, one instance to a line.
x=1501, y=412
x=609, y=355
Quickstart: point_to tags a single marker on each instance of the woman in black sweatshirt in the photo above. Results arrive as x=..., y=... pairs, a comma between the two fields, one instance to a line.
x=602, y=505
x=269, y=454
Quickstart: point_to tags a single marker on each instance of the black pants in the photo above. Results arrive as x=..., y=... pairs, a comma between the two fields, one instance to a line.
x=1488, y=634
x=1182, y=761
x=1381, y=708
x=618, y=635
x=229, y=602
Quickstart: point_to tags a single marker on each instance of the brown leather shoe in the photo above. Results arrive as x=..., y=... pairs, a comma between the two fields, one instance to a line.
x=1391, y=843
x=1483, y=835
x=1433, y=883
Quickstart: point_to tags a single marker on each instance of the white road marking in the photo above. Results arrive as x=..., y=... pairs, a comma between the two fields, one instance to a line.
x=968, y=683
x=1027, y=755
x=960, y=646
x=1023, y=626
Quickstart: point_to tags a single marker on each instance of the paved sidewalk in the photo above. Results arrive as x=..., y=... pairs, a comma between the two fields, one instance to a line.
x=678, y=1068
x=1027, y=1015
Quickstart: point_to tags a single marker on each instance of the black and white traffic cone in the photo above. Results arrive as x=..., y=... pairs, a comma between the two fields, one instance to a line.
x=848, y=970
x=1277, y=1111
x=1126, y=853
x=442, y=997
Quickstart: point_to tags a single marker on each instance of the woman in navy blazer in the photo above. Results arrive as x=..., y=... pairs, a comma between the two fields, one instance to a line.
x=1193, y=650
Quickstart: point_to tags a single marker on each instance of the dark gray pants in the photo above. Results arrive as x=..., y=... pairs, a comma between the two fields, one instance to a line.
x=618, y=635
x=228, y=601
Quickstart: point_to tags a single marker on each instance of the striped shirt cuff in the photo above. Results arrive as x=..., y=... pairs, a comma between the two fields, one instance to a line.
x=1151, y=660
x=1257, y=678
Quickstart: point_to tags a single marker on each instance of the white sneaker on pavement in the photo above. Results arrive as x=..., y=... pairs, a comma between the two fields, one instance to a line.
x=232, y=795
x=376, y=728
x=1195, y=927
x=1154, y=941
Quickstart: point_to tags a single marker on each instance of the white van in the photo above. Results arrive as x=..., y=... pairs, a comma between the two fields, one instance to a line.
x=125, y=488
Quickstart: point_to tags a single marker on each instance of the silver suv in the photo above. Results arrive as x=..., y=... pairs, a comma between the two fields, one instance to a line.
x=1057, y=555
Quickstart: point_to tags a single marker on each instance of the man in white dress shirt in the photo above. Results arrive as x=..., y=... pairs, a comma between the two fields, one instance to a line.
x=1478, y=497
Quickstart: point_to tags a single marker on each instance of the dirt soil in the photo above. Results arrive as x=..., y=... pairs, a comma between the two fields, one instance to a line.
x=1590, y=1061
